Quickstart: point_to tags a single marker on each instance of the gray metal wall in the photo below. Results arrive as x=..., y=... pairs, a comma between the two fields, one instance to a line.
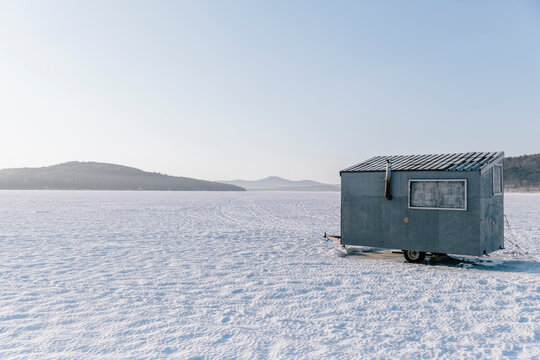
x=368, y=219
x=491, y=213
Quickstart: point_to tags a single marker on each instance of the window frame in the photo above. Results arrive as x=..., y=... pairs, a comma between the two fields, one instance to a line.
x=501, y=180
x=436, y=208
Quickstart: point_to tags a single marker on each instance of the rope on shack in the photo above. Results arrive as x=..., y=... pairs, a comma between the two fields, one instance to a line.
x=513, y=242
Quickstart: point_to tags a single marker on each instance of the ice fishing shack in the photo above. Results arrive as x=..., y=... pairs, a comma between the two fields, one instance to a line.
x=425, y=204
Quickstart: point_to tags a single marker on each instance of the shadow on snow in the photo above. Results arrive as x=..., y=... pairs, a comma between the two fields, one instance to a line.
x=480, y=263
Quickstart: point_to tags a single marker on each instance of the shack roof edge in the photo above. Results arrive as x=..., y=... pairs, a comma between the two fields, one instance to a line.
x=471, y=161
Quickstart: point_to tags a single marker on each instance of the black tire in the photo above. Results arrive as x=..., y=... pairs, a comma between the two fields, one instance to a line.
x=414, y=256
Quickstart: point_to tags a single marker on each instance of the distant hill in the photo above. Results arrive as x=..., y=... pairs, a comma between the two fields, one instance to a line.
x=275, y=183
x=522, y=173
x=99, y=176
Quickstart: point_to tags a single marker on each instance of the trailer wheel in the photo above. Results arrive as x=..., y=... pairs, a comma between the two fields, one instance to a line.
x=414, y=256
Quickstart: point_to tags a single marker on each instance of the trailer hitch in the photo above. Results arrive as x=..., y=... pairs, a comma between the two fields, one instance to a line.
x=333, y=237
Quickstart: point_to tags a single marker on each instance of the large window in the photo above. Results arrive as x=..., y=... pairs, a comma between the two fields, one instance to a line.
x=438, y=194
x=497, y=180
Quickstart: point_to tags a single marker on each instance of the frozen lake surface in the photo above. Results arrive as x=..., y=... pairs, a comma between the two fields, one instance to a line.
x=246, y=276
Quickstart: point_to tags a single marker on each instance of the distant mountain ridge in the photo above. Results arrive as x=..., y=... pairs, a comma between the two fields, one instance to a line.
x=522, y=173
x=77, y=175
x=276, y=183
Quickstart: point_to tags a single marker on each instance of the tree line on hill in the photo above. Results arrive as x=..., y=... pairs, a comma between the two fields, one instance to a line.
x=99, y=176
x=522, y=173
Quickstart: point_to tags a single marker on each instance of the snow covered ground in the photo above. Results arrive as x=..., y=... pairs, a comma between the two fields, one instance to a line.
x=246, y=276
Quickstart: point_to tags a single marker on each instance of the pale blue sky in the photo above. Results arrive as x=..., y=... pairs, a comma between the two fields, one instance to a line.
x=247, y=89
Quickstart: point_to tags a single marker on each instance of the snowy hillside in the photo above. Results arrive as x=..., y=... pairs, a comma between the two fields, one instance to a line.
x=184, y=275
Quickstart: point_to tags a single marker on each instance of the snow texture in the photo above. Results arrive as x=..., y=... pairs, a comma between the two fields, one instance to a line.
x=193, y=275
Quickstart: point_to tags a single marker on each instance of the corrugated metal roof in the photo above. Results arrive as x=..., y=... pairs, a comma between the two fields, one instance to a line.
x=471, y=161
